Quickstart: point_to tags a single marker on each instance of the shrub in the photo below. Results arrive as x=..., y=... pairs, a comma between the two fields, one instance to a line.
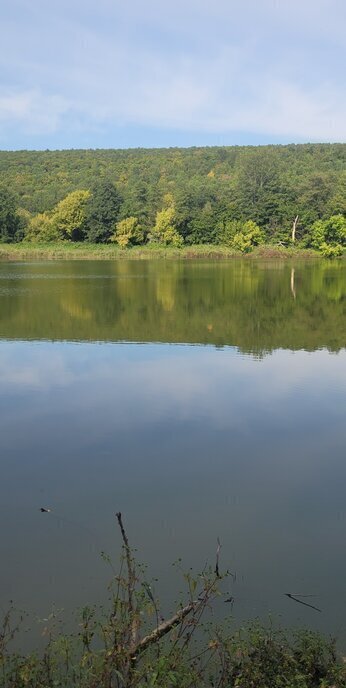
x=331, y=232
x=251, y=235
x=331, y=250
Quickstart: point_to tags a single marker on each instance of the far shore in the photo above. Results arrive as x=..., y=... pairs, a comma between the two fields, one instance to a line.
x=83, y=251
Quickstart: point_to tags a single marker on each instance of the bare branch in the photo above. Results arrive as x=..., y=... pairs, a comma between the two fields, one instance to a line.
x=164, y=628
x=292, y=597
x=217, y=571
x=131, y=581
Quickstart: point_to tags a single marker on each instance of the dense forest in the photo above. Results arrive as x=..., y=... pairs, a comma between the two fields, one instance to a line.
x=236, y=196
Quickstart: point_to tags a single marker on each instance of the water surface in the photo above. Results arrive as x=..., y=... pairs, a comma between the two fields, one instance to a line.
x=203, y=400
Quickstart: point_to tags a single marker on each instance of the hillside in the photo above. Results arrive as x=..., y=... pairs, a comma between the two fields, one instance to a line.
x=207, y=187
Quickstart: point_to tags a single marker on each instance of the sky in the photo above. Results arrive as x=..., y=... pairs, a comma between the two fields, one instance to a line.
x=153, y=73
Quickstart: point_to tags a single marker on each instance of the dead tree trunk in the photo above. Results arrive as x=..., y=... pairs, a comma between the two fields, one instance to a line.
x=294, y=227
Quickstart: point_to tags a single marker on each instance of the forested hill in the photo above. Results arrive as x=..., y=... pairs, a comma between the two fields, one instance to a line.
x=199, y=189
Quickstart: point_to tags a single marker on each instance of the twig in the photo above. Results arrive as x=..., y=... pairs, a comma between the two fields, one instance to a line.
x=217, y=571
x=300, y=602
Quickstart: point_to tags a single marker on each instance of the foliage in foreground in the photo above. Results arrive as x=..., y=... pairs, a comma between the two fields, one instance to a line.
x=132, y=646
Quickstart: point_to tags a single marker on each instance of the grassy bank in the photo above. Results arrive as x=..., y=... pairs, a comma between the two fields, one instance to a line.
x=84, y=251
x=131, y=646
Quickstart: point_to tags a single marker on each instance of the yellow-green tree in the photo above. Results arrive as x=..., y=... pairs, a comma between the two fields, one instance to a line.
x=164, y=230
x=249, y=236
x=70, y=214
x=128, y=231
x=41, y=229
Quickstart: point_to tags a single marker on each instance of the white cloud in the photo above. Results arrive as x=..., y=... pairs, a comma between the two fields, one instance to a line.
x=273, y=68
x=38, y=113
x=223, y=387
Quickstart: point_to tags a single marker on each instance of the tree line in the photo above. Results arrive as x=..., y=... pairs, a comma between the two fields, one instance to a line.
x=236, y=196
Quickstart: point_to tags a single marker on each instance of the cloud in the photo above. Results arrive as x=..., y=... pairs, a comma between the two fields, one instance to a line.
x=270, y=68
x=155, y=382
x=37, y=112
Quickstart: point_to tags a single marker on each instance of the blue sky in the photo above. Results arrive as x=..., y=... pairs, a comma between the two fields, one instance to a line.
x=127, y=73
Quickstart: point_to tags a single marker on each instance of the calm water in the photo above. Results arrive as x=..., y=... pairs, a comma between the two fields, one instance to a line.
x=203, y=400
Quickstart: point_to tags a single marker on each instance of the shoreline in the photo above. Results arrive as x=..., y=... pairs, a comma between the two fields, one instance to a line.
x=81, y=251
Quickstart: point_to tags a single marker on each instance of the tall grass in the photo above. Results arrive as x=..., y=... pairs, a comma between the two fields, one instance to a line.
x=84, y=251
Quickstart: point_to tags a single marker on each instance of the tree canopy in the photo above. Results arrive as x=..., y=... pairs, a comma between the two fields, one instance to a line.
x=9, y=220
x=84, y=194
x=102, y=211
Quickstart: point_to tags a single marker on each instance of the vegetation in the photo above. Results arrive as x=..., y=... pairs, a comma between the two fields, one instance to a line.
x=10, y=224
x=128, y=232
x=239, y=197
x=132, y=646
x=70, y=250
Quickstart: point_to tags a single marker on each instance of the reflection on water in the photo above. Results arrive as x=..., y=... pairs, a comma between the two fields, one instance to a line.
x=191, y=443
x=255, y=307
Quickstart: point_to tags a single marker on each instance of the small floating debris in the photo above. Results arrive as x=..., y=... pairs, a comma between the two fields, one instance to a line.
x=230, y=600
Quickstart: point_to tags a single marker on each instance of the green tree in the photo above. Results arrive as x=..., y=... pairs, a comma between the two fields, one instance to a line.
x=226, y=231
x=24, y=219
x=258, y=187
x=69, y=216
x=196, y=205
x=314, y=194
x=9, y=220
x=337, y=202
x=102, y=211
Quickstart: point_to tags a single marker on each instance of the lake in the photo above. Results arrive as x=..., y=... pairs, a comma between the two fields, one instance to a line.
x=201, y=399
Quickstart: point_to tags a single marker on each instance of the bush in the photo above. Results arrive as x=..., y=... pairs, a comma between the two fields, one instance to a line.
x=331, y=250
x=250, y=236
x=331, y=232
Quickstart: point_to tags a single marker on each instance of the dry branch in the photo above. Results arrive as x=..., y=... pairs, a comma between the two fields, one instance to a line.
x=292, y=597
x=195, y=608
x=164, y=628
x=131, y=582
x=217, y=570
